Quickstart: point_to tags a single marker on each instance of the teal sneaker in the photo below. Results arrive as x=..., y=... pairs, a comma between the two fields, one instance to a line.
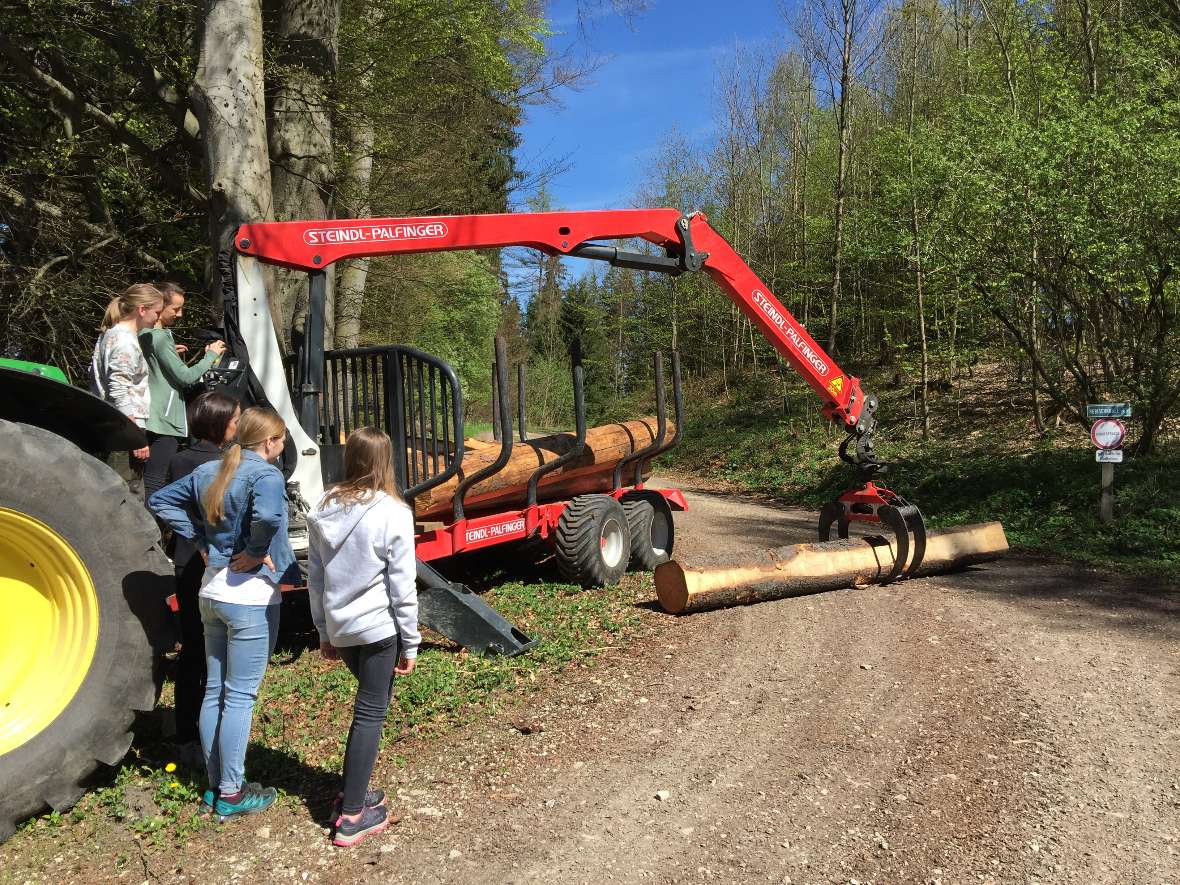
x=208, y=799
x=252, y=800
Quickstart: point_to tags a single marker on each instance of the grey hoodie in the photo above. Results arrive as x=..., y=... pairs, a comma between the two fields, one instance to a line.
x=361, y=573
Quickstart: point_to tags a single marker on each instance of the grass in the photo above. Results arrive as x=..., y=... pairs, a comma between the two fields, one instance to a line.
x=305, y=707
x=983, y=462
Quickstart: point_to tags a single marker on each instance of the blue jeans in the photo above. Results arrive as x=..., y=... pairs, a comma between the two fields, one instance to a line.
x=239, y=640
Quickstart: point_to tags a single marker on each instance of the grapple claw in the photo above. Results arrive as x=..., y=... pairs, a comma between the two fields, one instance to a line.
x=832, y=513
x=875, y=504
x=893, y=518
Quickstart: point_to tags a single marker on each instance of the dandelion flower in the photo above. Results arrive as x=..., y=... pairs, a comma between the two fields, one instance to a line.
x=175, y=785
x=170, y=767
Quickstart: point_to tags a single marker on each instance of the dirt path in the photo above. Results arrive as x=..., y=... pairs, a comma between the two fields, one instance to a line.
x=1017, y=723
x=1013, y=724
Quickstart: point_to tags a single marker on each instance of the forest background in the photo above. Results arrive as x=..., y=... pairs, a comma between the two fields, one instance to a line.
x=959, y=198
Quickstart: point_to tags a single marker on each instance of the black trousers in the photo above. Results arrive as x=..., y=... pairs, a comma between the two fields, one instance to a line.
x=372, y=665
x=155, y=472
x=190, y=664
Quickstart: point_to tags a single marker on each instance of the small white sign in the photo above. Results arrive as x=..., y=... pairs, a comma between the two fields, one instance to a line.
x=1108, y=433
x=1109, y=456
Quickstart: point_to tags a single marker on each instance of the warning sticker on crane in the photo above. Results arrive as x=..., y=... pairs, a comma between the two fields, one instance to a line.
x=836, y=385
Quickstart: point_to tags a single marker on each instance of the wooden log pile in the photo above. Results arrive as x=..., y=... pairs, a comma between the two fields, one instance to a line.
x=812, y=568
x=589, y=472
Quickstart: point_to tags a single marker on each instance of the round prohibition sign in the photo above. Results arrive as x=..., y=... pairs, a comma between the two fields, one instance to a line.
x=1108, y=433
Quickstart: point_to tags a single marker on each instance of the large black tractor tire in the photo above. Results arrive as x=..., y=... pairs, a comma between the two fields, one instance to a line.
x=653, y=533
x=592, y=542
x=82, y=572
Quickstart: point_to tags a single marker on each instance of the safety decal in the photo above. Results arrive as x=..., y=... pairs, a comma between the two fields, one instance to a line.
x=836, y=385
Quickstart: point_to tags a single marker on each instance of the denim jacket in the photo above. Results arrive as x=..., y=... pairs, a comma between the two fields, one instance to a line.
x=255, y=514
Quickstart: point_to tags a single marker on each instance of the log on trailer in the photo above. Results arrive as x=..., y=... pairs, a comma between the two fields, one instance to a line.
x=591, y=471
x=813, y=568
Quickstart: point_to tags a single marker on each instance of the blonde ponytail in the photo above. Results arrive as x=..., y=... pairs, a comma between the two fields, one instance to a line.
x=256, y=425
x=214, y=500
x=128, y=302
x=114, y=313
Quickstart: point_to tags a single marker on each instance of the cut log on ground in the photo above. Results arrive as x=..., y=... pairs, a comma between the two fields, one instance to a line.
x=812, y=568
x=589, y=472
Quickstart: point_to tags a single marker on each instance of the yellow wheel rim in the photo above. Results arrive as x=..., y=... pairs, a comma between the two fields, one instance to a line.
x=48, y=626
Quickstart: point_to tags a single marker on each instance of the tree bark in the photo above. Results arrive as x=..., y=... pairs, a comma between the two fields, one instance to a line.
x=228, y=99
x=354, y=273
x=813, y=568
x=301, y=141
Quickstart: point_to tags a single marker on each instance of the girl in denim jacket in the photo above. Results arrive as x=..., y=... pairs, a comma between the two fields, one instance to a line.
x=235, y=512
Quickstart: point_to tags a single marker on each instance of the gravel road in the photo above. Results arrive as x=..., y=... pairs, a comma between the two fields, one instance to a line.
x=1017, y=723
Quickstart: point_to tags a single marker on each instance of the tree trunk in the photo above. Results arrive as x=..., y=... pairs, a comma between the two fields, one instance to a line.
x=301, y=141
x=843, y=108
x=1090, y=42
x=915, y=231
x=228, y=99
x=1034, y=347
x=354, y=272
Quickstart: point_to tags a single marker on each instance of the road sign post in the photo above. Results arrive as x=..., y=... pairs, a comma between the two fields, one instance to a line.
x=1106, y=499
x=1107, y=434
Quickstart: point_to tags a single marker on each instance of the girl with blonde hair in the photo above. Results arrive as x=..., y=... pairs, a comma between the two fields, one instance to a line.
x=118, y=369
x=240, y=529
x=364, y=601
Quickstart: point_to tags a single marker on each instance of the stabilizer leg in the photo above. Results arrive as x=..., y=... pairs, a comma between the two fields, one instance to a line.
x=457, y=613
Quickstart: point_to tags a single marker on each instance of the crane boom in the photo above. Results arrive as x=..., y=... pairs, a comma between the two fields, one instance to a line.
x=692, y=244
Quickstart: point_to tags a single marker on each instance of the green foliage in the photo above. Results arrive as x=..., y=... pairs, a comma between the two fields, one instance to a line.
x=102, y=171
x=1045, y=494
x=445, y=303
x=1035, y=191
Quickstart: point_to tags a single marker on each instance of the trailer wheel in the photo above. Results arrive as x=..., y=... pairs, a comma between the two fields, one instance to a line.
x=652, y=531
x=83, y=585
x=593, y=542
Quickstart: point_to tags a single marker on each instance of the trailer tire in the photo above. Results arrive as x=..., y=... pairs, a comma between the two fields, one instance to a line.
x=652, y=531
x=592, y=541
x=85, y=585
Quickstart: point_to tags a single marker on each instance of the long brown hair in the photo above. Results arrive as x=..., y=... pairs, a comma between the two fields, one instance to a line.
x=256, y=425
x=368, y=469
x=209, y=416
x=128, y=302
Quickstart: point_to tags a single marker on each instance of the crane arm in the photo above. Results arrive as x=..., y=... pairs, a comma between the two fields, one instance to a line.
x=689, y=241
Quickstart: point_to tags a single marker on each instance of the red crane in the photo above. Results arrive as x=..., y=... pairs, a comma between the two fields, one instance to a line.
x=689, y=244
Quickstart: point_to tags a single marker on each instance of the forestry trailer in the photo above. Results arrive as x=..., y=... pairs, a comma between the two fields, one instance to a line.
x=83, y=581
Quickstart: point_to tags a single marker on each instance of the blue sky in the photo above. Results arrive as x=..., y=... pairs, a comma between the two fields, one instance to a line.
x=656, y=74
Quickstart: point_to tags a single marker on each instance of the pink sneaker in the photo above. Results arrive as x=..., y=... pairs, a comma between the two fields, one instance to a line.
x=350, y=833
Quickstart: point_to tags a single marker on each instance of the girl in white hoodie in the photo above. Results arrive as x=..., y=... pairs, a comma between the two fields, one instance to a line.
x=364, y=601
